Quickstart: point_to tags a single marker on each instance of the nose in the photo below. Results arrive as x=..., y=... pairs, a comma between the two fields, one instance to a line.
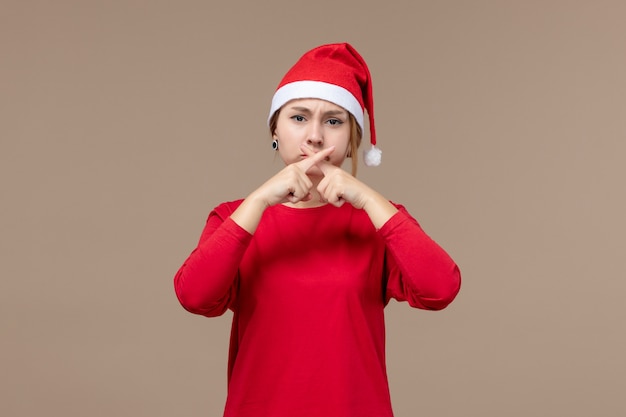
x=315, y=137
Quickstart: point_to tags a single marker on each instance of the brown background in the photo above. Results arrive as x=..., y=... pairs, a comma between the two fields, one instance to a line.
x=124, y=122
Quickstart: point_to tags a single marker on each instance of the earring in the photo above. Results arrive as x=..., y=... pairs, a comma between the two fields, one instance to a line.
x=275, y=144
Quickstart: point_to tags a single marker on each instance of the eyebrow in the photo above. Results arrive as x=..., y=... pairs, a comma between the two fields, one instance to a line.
x=327, y=113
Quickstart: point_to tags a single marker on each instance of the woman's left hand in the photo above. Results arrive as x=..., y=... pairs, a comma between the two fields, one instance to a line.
x=338, y=187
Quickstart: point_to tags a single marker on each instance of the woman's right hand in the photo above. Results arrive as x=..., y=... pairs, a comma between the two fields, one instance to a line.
x=291, y=184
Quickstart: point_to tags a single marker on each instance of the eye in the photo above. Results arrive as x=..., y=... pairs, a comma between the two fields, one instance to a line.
x=298, y=118
x=334, y=122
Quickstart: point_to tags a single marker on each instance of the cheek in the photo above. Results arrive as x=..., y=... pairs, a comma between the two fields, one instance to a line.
x=342, y=145
x=288, y=133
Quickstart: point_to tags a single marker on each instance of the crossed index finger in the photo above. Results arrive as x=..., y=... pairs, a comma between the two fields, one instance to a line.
x=314, y=158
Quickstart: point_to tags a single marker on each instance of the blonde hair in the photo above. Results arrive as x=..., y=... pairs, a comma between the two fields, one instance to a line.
x=355, y=138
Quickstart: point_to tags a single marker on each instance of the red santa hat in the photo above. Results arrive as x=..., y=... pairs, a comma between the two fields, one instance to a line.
x=335, y=73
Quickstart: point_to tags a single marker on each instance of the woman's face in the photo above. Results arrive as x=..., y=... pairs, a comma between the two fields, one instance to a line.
x=316, y=123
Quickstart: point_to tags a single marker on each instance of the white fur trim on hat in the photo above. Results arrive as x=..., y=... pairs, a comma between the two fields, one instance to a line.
x=317, y=89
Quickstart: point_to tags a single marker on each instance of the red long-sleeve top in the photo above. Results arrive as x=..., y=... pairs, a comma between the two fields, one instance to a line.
x=308, y=291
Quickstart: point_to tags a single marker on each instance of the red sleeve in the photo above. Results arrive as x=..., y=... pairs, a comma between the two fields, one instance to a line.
x=419, y=271
x=206, y=282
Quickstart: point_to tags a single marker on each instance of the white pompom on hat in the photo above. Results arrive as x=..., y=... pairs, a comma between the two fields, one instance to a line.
x=336, y=73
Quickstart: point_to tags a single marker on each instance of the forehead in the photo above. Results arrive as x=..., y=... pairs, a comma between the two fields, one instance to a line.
x=314, y=104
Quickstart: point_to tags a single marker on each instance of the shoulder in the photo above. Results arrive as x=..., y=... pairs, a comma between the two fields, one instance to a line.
x=225, y=209
x=401, y=217
x=399, y=206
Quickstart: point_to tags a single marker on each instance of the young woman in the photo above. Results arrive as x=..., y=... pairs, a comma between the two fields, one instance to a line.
x=308, y=261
